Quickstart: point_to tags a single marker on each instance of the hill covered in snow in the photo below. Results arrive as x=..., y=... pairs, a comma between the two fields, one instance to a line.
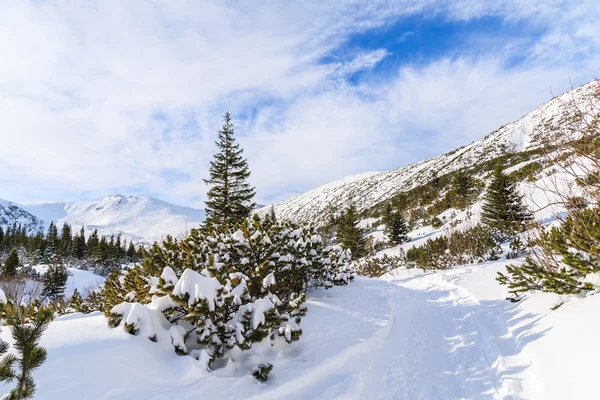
x=11, y=213
x=143, y=219
x=369, y=189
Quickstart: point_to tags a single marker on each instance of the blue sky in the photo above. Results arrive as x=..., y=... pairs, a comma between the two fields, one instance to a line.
x=104, y=96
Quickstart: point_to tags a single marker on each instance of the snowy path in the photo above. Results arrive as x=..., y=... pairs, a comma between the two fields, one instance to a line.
x=442, y=345
x=439, y=342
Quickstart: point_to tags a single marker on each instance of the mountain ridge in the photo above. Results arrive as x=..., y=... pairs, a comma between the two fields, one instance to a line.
x=367, y=190
x=139, y=218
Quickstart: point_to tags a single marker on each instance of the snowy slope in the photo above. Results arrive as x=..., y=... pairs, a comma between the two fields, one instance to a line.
x=448, y=335
x=11, y=213
x=143, y=219
x=369, y=189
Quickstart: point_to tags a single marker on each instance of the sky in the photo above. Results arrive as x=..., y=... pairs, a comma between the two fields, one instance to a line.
x=102, y=97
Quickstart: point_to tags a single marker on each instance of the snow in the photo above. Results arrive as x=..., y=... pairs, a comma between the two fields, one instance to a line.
x=259, y=307
x=197, y=287
x=169, y=276
x=447, y=335
x=269, y=280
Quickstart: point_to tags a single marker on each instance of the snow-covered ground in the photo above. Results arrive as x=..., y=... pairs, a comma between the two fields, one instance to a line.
x=447, y=335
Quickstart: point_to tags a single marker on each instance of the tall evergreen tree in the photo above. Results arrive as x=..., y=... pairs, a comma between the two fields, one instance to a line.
x=230, y=196
x=131, y=251
x=349, y=234
x=66, y=240
x=503, y=209
x=78, y=250
x=92, y=243
x=11, y=264
x=395, y=226
x=55, y=281
x=463, y=190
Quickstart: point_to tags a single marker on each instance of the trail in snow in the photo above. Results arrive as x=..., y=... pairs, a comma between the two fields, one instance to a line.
x=443, y=344
x=439, y=342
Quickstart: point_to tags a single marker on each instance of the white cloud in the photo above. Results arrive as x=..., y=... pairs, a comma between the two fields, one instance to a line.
x=104, y=96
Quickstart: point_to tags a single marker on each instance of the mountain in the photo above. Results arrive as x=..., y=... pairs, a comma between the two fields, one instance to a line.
x=371, y=188
x=11, y=213
x=143, y=219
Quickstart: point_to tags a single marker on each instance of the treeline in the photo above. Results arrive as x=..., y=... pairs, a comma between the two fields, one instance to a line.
x=99, y=253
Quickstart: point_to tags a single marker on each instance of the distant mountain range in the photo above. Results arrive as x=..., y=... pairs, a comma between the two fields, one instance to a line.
x=138, y=218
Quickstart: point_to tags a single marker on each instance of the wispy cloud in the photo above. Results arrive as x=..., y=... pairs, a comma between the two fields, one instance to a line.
x=104, y=96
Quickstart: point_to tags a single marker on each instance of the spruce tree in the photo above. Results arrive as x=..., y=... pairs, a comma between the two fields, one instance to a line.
x=463, y=190
x=349, y=234
x=230, y=196
x=55, y=281
x=92, y=243
x=503, y=208
x=131, y=251
x=11, y=264
x=78, y=251
x=395, y=226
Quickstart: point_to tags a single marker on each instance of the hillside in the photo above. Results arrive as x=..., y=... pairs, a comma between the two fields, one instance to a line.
x=11, y=213
x=143, y=219
x=526, y=135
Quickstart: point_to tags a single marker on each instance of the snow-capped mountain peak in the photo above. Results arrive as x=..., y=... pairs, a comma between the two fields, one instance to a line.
x=143, y=219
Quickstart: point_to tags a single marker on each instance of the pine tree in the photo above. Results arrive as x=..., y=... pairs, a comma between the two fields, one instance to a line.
x=230, y=196
x=503, y=208
x=92, y=243
x=113, y=293
x=395, y=226
x=77, y=303
x=11, y=264
x=562, y=260
x=349, y=234
x=463, y=190
x=78, y=251
x=26, y=333
x=131, y=251
x=55, y=281
x=52, y=243
x=66, y=241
